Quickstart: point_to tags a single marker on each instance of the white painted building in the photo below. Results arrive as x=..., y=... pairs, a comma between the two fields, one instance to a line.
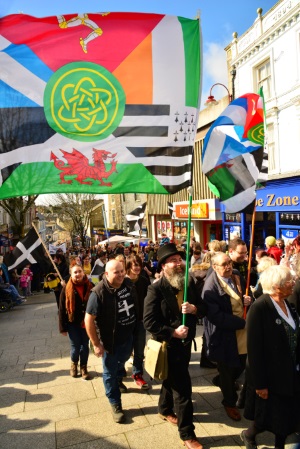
x=268, y=55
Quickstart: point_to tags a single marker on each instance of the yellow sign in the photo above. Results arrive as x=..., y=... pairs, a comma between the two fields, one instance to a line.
x=199, y=210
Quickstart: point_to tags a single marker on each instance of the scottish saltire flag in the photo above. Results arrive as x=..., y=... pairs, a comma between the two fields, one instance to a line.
x=234, y=158
x=97, y=103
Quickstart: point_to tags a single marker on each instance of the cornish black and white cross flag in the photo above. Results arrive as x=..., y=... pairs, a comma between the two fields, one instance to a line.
x=29, y=250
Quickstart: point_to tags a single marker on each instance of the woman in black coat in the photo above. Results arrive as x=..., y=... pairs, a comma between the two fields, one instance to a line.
x=273, y=336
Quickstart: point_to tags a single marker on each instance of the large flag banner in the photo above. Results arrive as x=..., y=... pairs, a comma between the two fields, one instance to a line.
x=234, y=158
x=30, y=250
x=97, y=103
x=136, y=217
x=54, y=248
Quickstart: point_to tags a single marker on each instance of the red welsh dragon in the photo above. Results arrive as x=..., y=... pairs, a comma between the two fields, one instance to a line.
x=78, y=165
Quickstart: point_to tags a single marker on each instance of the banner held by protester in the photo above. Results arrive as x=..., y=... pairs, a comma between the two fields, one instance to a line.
x=89, y=103
x=234, y=158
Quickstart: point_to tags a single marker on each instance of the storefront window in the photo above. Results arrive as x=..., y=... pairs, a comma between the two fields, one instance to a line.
x=234, y=218
x=289, y=219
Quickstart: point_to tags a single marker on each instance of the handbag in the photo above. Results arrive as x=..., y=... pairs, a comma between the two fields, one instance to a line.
x=156, y=359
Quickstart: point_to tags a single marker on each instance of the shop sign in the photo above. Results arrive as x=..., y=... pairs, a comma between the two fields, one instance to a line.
x=199, y=210
x=277, y=200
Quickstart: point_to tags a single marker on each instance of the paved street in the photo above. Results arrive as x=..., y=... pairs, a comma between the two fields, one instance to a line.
x=42, y=407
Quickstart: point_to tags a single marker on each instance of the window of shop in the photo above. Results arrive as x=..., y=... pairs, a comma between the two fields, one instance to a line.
x=263, y=74
x=180, y=230
x=113, y=216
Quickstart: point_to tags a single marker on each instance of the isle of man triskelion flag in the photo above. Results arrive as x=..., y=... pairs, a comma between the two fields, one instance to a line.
x=97, y=103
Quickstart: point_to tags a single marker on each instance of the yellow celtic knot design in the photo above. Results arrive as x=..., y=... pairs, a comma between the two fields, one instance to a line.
x=85, y=101
x=84, y=104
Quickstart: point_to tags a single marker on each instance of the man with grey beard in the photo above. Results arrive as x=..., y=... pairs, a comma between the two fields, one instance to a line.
x=163, y=311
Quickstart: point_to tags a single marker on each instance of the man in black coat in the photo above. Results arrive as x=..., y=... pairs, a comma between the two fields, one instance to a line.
x=112, y=310
x=163, y=309
x=225, y=333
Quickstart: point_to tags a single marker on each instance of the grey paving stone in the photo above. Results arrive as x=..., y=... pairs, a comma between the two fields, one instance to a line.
x=36, y=437
x=38, y=417
x=78, y=391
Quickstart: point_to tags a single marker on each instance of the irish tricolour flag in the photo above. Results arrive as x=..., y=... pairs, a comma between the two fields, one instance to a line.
x=97, y=103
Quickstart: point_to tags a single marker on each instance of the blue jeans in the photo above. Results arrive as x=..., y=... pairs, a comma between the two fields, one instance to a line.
x=13, y=292
x=113, y=370
x=139, y=341
x=79, y=344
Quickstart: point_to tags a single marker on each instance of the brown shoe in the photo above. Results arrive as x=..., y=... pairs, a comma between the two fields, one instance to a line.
x=73, y=370
x=192, y=444
x=233, y=413
x=172, y=418
x=84, y=372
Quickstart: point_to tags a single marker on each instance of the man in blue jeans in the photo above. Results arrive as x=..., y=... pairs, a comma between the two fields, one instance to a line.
x=110, y=321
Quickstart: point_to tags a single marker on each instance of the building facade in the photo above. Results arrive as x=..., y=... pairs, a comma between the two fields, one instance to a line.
x=268, y=55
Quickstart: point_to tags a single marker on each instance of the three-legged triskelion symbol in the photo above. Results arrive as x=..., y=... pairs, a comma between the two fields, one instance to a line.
x=82, y=19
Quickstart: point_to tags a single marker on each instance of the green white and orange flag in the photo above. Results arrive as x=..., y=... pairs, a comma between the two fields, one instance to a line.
x=97, y=103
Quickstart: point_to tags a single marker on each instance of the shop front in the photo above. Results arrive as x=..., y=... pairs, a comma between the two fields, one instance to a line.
x=206, y=221
x=277, y=214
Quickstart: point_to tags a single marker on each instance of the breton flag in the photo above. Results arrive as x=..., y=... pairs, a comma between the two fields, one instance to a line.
x=234, y=156
x=171, y=210
x=97, y=103
x=136, y=217
x=54, y=248
x=30, y=250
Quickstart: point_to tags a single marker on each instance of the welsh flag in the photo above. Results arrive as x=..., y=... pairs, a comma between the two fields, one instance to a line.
x=97, y=103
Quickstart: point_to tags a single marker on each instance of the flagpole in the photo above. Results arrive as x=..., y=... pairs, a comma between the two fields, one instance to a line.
x=46, y=249
x=250, y=256
x=186, y=280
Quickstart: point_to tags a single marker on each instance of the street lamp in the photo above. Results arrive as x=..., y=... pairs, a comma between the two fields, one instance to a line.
x=211, y=99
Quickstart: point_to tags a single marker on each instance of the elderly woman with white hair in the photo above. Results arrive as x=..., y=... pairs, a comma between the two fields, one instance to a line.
x=263, y=264
x=273, y=343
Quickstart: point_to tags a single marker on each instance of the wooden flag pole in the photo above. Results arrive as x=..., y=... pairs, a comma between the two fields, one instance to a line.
x=250, y=256
x=186, y=279
x=47, y=252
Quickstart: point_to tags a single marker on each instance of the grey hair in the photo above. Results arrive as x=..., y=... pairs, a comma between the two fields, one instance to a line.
x=273, y=277
x=215, y=257
x=264, y=263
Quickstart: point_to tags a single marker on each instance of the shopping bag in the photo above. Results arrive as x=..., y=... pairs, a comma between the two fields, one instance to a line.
x=156, y=359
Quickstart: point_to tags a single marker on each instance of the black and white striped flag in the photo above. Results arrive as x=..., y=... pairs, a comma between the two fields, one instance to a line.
x=136, y=217
x=171, y=210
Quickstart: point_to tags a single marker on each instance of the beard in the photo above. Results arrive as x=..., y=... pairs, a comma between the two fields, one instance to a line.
x=175, y=277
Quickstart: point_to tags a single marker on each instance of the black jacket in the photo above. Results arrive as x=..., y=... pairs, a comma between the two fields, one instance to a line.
x=162, y=314
x=220, y=325
x=107, y=316
x=79, y=312
x=270, y=364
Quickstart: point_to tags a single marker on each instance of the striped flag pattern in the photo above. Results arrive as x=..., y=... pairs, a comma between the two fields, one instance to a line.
x=234, y=157
x=103, y=85
x=136, y=217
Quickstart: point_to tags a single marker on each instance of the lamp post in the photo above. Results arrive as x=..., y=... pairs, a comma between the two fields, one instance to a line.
x=211, y=99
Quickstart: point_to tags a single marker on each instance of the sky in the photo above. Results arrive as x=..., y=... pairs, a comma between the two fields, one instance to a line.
x=219, y=19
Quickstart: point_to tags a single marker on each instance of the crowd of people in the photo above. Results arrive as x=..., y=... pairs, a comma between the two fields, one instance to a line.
x=111, y=297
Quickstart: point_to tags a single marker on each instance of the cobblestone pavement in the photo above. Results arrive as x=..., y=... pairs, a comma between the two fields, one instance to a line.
x=43, y=407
